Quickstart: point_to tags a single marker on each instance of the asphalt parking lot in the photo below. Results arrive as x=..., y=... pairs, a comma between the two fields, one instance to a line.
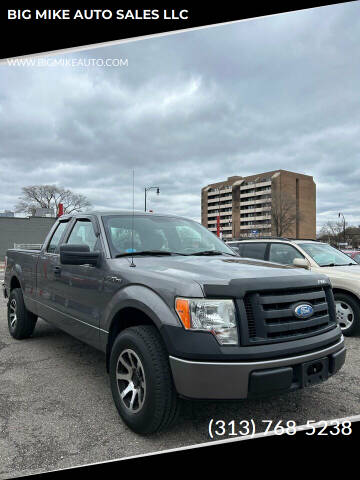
x=56, y=408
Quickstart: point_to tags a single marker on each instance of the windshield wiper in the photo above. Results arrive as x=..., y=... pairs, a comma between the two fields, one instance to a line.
x=146, y=252
x=164, y=252
x=344, y=264
x=338, y=264
x=212, y=252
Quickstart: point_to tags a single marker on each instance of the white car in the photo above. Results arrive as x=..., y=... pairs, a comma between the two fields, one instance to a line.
x=343, y=271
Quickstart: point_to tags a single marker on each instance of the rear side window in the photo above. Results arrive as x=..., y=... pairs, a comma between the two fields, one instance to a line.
x=55, y=239
x=253, y=250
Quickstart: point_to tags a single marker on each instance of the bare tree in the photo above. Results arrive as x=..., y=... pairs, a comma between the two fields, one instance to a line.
x=333, y=232
x=332, y=229
x=353, y=235
x=50, y=196
x=283, y=211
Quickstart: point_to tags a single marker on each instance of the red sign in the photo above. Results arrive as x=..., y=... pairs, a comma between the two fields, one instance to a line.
x=60, y=210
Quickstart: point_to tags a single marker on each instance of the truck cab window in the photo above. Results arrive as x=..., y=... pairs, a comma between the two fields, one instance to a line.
x=55, y=239
x=83, y=234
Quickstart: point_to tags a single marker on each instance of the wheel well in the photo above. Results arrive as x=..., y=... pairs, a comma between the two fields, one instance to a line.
x=14, y=283
x=346, y=292
x=128, y=317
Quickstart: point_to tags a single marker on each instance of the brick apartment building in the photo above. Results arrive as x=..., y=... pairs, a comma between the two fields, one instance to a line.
x=245, y=204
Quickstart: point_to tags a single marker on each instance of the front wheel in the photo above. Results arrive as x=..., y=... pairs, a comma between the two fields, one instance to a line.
x=141, y=380
x=347, y=313
x=21, y=322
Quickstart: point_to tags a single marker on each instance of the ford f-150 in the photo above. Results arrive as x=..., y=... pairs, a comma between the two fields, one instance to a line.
x=177, y=313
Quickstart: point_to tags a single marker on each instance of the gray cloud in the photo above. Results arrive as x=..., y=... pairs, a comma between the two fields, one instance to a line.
x=193, y=108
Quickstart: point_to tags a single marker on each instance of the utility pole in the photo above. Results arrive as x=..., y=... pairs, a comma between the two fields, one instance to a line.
x=344, y=226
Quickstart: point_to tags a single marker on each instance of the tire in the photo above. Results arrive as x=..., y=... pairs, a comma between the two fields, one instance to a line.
x=21, y=322
x=155, y=405
x=347, y=313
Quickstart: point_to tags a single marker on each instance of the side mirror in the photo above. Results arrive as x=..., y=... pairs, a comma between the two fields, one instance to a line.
x=301, y=263
x=236, y=249
x=78, y=255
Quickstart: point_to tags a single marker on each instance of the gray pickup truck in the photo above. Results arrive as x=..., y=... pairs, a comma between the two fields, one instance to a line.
x=177, y=313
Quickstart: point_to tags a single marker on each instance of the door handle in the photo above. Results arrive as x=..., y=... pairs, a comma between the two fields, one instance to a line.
x=57, y=270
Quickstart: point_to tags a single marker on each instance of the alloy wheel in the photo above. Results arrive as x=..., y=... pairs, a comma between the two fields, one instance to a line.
x=12, y=313
x=130, y=378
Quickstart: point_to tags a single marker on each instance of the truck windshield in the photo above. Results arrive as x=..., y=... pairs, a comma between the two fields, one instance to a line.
x=160, y=234
x=325, y=255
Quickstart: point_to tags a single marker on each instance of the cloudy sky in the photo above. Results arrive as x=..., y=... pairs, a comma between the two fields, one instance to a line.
x=191, y=109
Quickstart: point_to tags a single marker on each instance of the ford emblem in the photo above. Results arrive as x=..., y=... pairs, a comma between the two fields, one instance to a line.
x=305, y=310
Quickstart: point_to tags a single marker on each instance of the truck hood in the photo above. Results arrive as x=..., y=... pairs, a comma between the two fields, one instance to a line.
x=219, y=269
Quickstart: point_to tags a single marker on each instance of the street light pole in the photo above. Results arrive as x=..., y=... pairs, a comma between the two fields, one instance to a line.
x=146, y=189
x=344, y=226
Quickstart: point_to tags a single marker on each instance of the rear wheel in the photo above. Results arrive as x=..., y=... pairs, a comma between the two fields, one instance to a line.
x=21, y=322
x=347, y=313
x=141, y=380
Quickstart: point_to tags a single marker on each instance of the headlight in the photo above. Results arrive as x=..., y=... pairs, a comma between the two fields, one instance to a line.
x=215, y=316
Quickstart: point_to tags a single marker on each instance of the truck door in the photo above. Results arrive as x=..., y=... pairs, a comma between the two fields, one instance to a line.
x=47, y=287
x=82, y=285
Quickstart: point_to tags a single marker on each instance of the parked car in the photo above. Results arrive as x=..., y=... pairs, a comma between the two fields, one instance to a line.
x=343, y=271
x=175, y=311
x=354, y=254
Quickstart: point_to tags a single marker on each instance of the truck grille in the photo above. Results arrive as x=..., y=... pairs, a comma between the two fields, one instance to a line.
x=271, y=318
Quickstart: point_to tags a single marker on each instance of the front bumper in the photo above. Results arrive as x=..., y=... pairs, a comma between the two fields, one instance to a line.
x=235, y=380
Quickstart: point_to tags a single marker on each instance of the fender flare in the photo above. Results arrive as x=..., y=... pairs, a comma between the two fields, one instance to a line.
x=151, y=305
x=16, y=272
x=144, y=299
